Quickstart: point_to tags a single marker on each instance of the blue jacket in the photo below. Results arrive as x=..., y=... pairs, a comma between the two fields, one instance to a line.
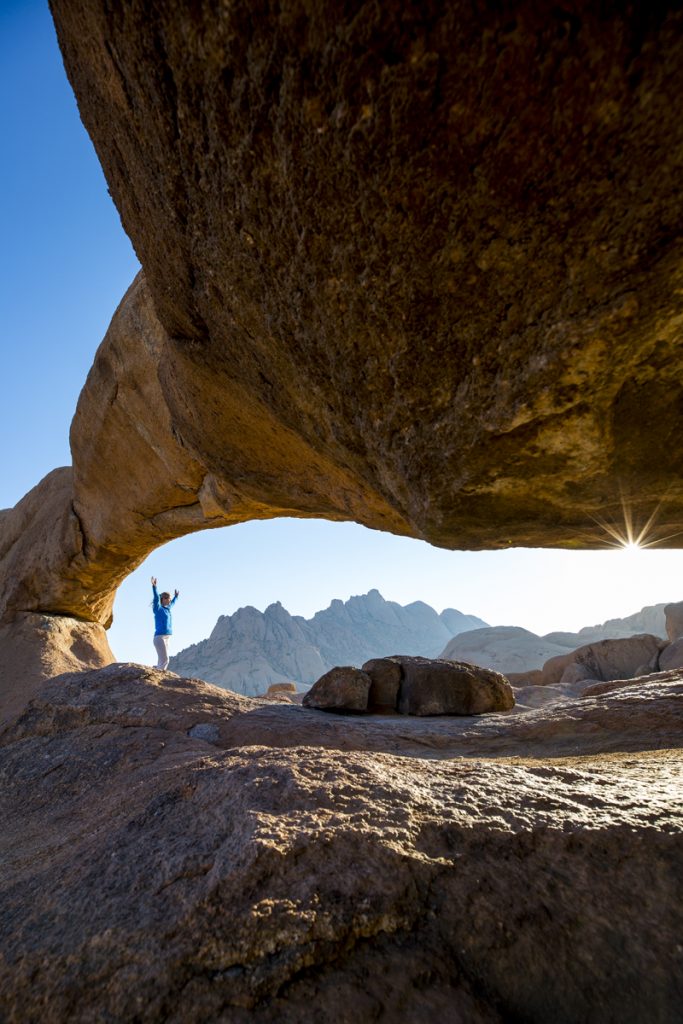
x=163, y=623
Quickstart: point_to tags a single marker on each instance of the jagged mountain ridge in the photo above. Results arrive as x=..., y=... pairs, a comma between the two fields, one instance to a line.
x=249, y=650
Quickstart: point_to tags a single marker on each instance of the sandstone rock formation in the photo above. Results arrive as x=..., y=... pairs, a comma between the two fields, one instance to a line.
x=37, y=647
x=249, y=650
x=249, y=861
x=465, y=238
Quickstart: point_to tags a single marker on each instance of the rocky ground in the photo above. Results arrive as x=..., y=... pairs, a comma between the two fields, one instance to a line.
x=175, y=852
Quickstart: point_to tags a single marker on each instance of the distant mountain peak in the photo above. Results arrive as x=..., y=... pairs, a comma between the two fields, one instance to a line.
x=249, y=650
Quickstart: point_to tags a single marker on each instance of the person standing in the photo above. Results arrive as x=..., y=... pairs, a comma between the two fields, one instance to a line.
x=163, y=622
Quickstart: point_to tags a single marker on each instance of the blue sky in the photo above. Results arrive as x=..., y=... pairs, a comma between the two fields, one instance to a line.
x=66, y=264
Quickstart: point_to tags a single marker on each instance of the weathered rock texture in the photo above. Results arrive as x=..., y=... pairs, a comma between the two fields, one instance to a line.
x=173, y=852
x=417, y=266
x=412, y=686
x=436, y=687
x=70, y=542
x=35, y=647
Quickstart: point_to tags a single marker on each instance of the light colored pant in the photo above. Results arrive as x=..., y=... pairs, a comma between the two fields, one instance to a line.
x=161, y=645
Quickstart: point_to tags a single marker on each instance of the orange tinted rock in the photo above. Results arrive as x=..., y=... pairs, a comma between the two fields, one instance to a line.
x=280, y=688
x=37, y=647
x=475, y=359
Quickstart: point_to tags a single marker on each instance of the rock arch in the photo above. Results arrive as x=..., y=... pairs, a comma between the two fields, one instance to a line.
x=380, y=283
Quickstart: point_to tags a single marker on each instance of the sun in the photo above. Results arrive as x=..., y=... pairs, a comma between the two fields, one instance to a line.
x=633, y=535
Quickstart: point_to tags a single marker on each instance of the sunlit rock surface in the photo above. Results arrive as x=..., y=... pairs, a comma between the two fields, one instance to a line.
x=174, y=852
x=36, y=647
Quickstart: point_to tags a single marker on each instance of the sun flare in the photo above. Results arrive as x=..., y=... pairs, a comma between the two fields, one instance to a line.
x=633, y=534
